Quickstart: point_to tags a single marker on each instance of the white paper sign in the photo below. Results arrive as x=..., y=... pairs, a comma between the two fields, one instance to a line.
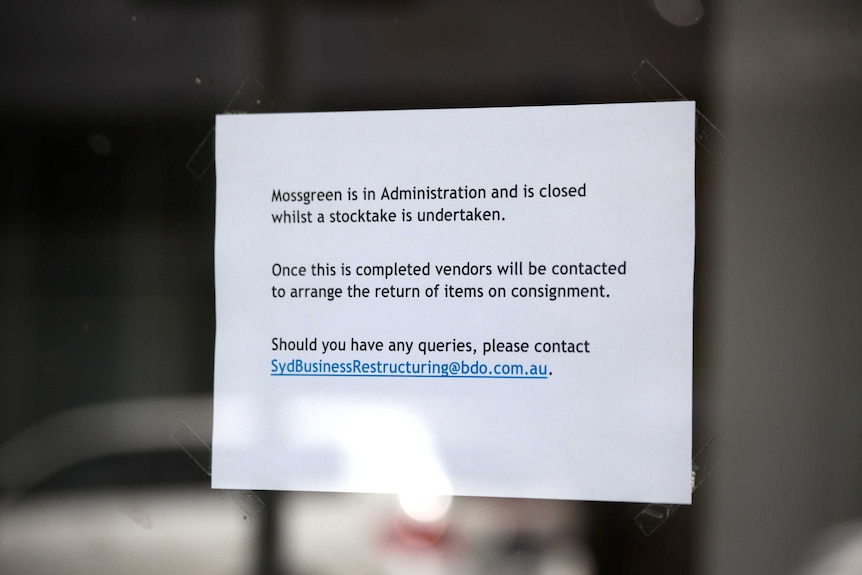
x=491, y=302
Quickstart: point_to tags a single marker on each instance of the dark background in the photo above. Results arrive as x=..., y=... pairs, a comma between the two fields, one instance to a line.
x=107, y=214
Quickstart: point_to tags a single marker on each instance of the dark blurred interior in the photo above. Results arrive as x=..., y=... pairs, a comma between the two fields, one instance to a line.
x=106, y=267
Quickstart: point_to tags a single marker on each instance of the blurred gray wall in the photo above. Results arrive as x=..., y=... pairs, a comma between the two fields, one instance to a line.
x=786, y=319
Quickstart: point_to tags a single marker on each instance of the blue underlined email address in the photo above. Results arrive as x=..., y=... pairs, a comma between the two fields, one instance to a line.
x=408, y=369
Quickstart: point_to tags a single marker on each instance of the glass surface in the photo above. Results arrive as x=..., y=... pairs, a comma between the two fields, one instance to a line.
x=107, y=300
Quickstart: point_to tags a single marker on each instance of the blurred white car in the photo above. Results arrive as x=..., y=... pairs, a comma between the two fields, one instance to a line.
x=109, y=489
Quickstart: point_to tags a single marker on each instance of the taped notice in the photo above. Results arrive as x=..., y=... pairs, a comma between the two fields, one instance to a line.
x=492, y=302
